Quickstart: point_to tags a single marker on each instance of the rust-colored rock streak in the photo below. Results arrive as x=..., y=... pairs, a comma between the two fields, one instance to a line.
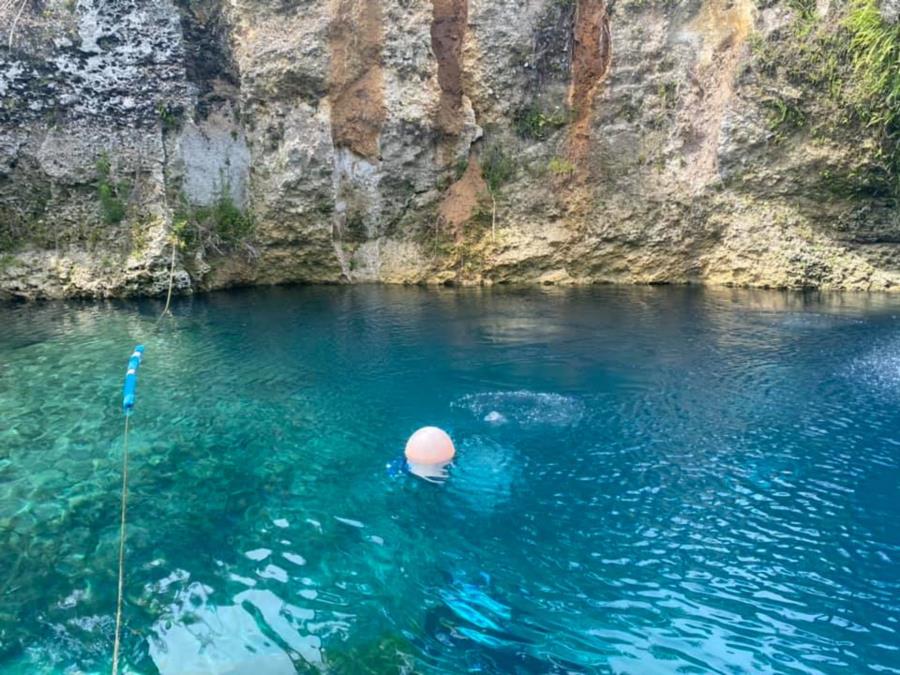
x=461, y=200
x=356, y=89
x=448, y=28
x=592, y=51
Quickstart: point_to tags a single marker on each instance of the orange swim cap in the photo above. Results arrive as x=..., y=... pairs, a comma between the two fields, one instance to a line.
x=429, y=445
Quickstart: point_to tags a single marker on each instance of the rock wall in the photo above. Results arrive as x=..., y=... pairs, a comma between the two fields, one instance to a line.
x=439, y=141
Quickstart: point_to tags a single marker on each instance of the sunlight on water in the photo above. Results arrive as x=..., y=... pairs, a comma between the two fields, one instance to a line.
x=647, y=480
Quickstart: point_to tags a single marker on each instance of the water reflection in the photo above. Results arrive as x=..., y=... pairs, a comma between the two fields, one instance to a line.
x=258, y=633
x=433, y=473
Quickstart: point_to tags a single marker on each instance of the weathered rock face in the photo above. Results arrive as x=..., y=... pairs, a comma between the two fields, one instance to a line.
x=435, y=141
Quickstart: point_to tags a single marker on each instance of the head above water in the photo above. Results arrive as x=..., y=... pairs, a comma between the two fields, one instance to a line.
x=429, y=445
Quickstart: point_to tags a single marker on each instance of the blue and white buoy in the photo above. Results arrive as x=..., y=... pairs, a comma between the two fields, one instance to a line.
x=128, y=391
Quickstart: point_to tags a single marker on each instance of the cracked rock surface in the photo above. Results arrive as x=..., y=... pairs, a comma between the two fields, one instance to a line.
x=428, y=141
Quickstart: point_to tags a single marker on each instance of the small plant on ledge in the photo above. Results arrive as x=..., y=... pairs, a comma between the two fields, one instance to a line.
x=221, y=226
x=110, y=192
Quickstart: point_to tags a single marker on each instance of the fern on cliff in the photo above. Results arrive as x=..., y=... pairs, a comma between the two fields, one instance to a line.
x=851, y=56
x=875, y=50
x=875, y=53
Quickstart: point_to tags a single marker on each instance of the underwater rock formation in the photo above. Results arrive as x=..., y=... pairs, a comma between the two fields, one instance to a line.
x=740, y=142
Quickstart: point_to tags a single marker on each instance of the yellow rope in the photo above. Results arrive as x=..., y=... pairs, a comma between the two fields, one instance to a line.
x=115, y=663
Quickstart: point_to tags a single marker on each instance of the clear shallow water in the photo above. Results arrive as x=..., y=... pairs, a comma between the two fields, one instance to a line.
x=667, y=480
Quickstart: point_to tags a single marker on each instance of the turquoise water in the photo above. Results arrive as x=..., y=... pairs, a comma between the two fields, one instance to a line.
x=647, y=480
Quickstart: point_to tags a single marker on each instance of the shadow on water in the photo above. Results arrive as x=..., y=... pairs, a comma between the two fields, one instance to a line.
x=647, y=479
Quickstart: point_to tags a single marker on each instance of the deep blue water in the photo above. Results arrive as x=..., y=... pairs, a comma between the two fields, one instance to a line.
x=677, y=480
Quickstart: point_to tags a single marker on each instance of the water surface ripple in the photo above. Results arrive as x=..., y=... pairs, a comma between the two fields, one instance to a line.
x=648, y=481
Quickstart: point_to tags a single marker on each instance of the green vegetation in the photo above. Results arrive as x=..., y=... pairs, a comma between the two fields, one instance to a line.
x=875, y=51
x=875, y=55
x=354, y=229
x=469, y=249
x=179, y=232
x=324, y=206
x=460, y=167
x=785, y=117
x=561, y=167
x=873, y=183
x=854, y=61
x=647, y=4
x=110, y=192
x=806, y=9
x=533, y=123
x=168, y=115
x=139, y=241
x=229, y=223
x=497, y=167
x=27, y=221
x=221, y=226
x=667, y=93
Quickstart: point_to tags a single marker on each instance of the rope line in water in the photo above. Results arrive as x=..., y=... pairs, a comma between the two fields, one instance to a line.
x=116, y=643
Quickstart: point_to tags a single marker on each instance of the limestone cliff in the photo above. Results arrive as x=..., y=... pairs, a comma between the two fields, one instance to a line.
x=743, y=142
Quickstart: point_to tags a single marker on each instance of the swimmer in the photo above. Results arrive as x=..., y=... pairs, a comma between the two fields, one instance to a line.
x=495, y=417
